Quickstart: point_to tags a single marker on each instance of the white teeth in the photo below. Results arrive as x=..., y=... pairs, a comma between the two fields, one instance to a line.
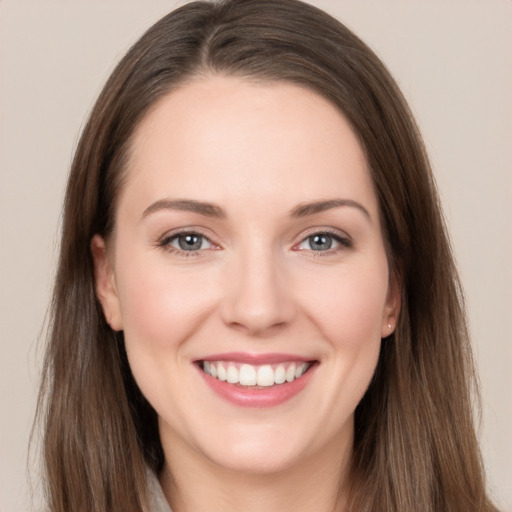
x=290, y=373
x=232, y=375
x=222, y=374
x=249, y=375
x=300, y=370
x=265, y=376
x=280, y=374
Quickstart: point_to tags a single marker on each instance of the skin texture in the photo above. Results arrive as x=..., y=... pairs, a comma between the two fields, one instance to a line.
x=256, y=285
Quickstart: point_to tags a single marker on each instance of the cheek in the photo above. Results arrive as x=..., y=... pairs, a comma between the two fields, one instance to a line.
x=161, y=305
x=348, y=304
x=348, y=312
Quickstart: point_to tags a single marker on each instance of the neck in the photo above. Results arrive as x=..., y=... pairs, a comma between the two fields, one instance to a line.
x=193, y=483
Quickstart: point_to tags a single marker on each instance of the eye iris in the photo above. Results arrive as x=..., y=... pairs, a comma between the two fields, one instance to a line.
x=320, y=242
x=190, y=242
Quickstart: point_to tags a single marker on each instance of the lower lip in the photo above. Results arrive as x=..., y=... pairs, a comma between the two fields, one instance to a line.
x=264, y=397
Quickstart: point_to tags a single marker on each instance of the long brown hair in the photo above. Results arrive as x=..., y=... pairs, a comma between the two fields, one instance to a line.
x=415, y=447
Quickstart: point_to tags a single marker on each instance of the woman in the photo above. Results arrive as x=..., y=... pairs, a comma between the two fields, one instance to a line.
x=256, y=301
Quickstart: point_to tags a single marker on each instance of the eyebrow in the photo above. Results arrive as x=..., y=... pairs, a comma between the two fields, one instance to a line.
x=186, y=205
x=305, y=209
x=212, y=210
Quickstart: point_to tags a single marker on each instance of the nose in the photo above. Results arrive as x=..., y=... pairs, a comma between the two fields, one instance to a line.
x=258, y=296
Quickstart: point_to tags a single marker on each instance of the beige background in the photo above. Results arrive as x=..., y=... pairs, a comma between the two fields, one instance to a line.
x=453, y=61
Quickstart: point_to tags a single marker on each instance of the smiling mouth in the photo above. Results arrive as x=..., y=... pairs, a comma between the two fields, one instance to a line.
x=251, y=376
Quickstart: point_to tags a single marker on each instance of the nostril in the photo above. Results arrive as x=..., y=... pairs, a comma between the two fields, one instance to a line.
x=258, y=300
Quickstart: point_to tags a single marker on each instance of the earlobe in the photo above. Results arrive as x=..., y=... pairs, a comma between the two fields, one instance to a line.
x=105, y=285
x=393, y=306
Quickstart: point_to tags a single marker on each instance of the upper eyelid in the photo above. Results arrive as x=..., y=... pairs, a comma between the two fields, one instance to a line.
x=335, y=232
x=173, y=233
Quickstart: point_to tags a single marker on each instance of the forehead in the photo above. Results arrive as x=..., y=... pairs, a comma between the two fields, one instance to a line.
x=218, y=136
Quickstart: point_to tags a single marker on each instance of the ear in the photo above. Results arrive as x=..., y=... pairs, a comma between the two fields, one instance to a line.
x=392, y=307
x=106, y=290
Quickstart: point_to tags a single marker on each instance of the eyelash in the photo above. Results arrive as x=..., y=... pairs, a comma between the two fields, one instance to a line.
x=165, y=243
x=344, y=243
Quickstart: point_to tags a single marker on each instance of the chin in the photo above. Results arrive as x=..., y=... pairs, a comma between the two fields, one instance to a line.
x=258, y=449
x=256, y=461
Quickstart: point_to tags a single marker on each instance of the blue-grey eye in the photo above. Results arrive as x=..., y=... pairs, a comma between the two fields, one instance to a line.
x=319, y=242
x=190, y=242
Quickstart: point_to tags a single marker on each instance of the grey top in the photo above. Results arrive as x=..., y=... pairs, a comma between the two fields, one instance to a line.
x=158, y=499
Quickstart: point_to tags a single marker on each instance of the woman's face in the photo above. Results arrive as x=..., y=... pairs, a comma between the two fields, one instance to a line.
x=248, y=272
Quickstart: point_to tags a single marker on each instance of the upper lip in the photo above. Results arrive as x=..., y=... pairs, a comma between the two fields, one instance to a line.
x=255, y=359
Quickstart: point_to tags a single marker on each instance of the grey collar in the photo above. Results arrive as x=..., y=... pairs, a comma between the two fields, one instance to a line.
x=157, y=498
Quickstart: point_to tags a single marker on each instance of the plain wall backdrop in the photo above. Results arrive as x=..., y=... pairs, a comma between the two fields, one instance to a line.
x=453, y=60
